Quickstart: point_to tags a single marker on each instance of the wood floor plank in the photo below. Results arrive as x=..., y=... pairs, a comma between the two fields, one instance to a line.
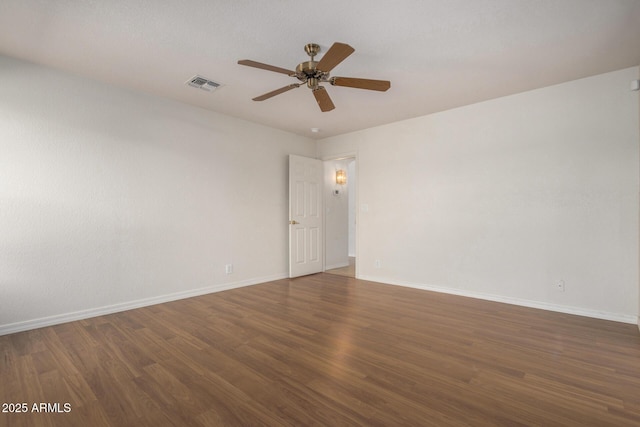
x=326, y=350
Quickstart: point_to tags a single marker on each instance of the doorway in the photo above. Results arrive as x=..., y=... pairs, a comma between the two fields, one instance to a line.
x=340, y=217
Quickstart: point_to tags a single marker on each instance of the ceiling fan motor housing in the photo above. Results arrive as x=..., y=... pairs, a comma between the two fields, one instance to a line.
x=307, y=72
x=307, y=68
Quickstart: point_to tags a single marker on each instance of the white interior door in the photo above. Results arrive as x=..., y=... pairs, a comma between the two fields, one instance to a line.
x=305, y=216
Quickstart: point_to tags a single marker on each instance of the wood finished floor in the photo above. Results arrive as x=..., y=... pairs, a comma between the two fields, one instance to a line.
x=326, y=350
x=349, y=271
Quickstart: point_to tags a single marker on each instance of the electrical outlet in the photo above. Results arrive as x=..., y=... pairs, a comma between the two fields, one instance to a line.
x=377, y=264
x=559, y=285
x=228, y=269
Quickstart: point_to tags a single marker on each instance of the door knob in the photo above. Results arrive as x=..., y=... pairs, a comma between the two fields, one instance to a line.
x=292, y=222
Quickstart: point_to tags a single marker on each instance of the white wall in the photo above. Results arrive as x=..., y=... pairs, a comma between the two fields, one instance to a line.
x=501, y=199
x=111, y=199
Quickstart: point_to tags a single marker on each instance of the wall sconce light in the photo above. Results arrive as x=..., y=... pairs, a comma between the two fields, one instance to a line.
x=341, y=177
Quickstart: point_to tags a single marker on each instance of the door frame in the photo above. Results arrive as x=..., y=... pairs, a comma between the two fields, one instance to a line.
x=342, y=156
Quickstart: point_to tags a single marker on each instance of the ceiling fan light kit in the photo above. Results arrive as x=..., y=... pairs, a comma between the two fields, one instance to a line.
x=313, y=73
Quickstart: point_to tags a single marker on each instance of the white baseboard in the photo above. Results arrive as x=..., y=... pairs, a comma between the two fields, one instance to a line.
x=100, y=311
x=616, y=317
x=115, y=308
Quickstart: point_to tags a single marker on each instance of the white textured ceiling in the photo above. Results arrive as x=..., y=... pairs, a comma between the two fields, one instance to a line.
x=438, y=54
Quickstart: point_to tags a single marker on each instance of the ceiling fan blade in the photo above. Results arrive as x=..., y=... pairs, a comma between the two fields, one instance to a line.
x=380, y=85
x=276, y=92
x=250, y=63
x=335, y=55
x=323, y=99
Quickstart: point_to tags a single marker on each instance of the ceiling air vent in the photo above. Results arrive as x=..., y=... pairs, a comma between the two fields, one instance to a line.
x=203, y=83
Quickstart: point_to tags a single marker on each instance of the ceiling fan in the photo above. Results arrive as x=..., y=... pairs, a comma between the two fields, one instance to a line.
x=315, y=72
